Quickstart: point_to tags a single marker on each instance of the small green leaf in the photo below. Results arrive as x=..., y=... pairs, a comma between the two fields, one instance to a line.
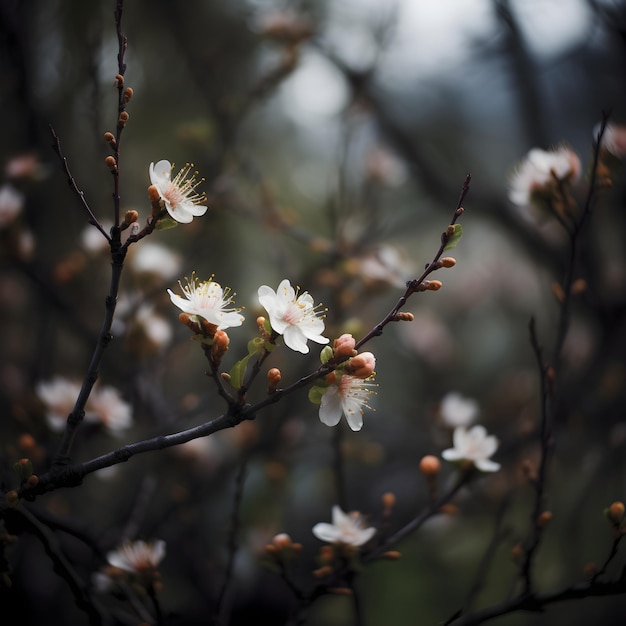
x=316, y=392
x=326, y=354
x=238, y=371
x=165, y=223
x=455, y=237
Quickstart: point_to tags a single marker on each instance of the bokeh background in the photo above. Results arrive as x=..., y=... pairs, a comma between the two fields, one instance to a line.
x=334, y=138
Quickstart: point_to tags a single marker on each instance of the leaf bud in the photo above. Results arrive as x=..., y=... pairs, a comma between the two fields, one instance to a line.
x=122, y=119
x=110, y=139
x=432, y=285
x=404, y=316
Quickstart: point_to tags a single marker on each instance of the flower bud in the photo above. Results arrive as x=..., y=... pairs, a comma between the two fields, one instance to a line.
x=119, y=81
x=110, y=163
x=432, y=285
x=273, y=378
x=404, y=316
x=110, y=139
x=122, y=119
x=389, y=500
x=24, y=468
x=128, y=94
x=130, y=217
x=343, y=346
x=361, y=366
x=32, y=481
x=517, y=551
x=430, y=465
x=282, y=541
x=579, y=287
x=544, y=519
x=447, y=261
x=220, y=345
x=615, y=513
x=12, y=497
x=392, y=555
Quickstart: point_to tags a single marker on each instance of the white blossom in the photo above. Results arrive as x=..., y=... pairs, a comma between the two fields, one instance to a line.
x=473, y=445
x=106, y=406
x=293, y=316
x=347, y=397
x=457, y=410
x=538, y=170
x=208, y=300
x=137, y=556
x=11, y=203
x=179, y=194
x=59, y=397
x=347, y=528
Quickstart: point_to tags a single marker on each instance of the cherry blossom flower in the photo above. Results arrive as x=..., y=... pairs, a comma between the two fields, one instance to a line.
x=207, y=299
x=457, y=410
x=614, y=140
x=347, y=528
x=293, y=316
x=473, y=445
x=347, y=396
x=178, y=194
x=537, y=172
x=59, y=396
x=105, y=406
x=138, y=557
x=11, y=203
x=154, y=259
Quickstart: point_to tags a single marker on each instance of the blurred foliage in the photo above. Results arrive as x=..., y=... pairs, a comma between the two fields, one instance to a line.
x=328, y=150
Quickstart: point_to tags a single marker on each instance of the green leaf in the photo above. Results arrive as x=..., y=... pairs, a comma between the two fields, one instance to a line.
x=316, y=392
x=238, y=371
x=454, y=238
x=165, y=223
x=326, y=354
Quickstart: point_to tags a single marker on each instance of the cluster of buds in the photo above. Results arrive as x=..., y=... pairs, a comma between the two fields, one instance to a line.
x=24, y=469
x=282, y=549
x=358, y=365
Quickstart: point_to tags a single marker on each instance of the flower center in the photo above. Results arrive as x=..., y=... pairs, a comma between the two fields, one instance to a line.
x=173, y=194
x=295, y=313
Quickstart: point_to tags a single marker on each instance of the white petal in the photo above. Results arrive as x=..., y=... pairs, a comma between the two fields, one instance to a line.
x=326, y=532
x=485, y=465
x=294, y=339
x=330, y=407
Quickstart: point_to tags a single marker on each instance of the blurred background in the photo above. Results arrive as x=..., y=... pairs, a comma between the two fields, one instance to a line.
x=335, y=138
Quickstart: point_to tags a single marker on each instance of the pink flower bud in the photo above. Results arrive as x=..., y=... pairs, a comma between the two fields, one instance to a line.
x=344, y=346
x=362, y=365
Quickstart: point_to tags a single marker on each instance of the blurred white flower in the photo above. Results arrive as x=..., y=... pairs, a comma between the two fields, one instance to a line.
x=347, y=528
x=614, y=140
x=137, y=557
x=11, y=203
x=105, y=406
x=537, y=172
x=93, y=241
x=457, y=410
x=155, y=259
x=386, y=264
x=473, y=445
x=156, y=329
x=208, y=300
x=347, y=397
x=59, y=395
x=179, y=194
x=292, y=316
